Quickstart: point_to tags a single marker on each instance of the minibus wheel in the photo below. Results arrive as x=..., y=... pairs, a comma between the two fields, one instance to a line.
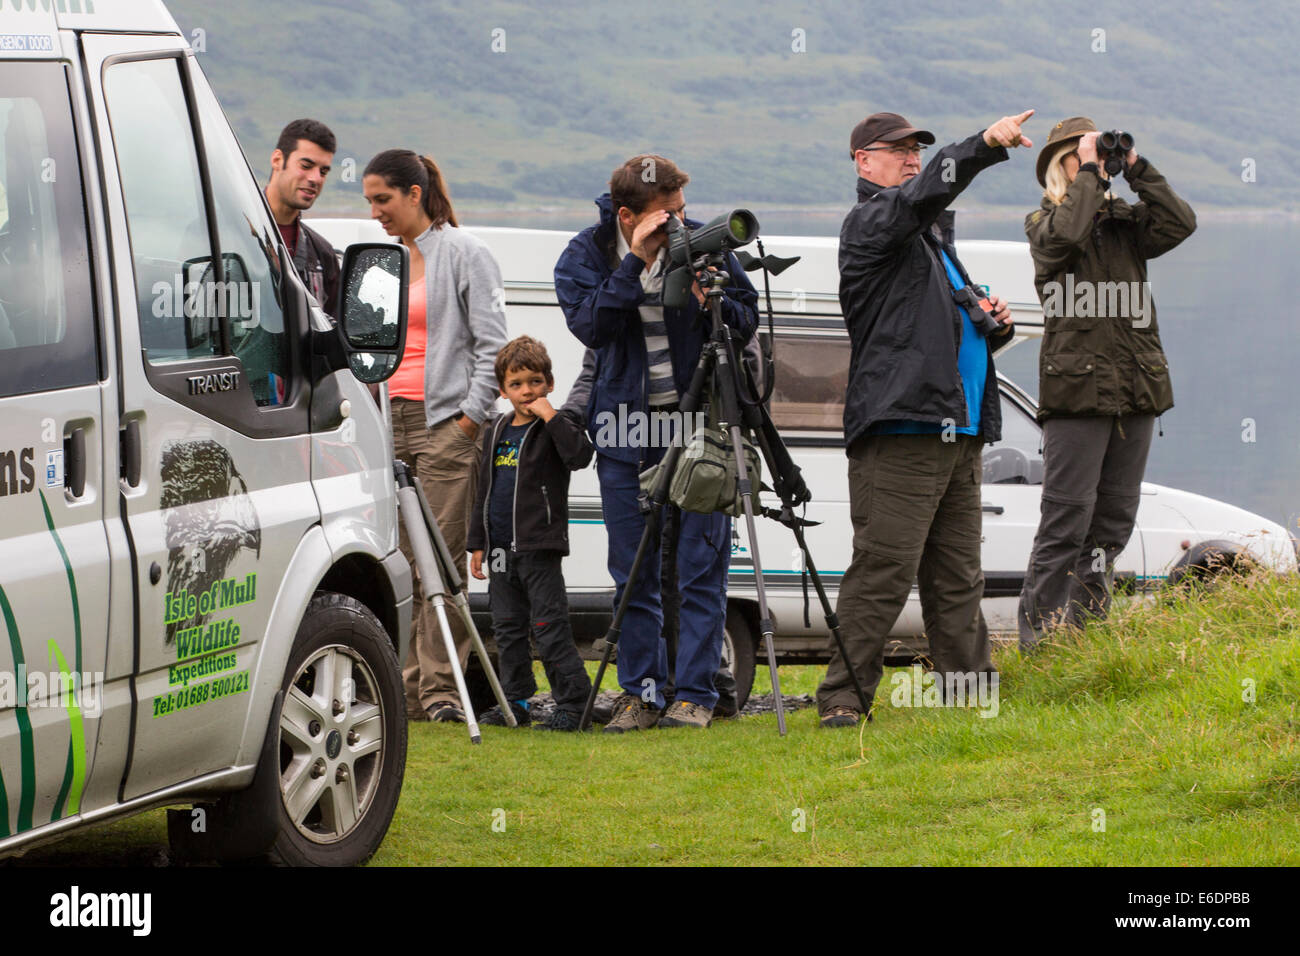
x=342, y=737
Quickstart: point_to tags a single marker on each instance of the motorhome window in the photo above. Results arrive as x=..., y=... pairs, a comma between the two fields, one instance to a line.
x=177, y=294
x=812, y=372
x=249, y=246
x=47, y=323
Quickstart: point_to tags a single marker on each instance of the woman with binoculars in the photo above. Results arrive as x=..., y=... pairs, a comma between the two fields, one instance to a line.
x=1103, y=376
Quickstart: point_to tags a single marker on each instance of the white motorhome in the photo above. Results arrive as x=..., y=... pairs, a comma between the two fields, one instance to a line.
x=202, y=597
x=811, y=359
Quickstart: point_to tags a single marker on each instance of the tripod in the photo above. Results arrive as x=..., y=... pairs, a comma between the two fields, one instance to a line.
x=438, y=577
x=718, y=359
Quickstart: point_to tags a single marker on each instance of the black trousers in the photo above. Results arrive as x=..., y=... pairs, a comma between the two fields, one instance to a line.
x=529, y=597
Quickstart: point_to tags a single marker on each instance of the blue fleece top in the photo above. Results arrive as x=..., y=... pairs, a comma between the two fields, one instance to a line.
x=972, y=367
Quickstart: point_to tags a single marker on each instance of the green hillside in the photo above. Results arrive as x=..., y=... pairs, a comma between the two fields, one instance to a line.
x=526, y=105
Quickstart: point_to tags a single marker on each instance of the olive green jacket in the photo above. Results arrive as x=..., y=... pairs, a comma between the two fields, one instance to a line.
x=1101, y=352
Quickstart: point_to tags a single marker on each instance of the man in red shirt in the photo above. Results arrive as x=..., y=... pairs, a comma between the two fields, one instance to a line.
x=299, y=164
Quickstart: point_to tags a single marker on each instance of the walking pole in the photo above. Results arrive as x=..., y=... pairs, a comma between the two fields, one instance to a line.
x=431, y=583
x=459, y=597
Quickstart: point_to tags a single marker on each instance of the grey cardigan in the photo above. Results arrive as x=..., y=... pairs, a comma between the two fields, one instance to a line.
x=465, y=319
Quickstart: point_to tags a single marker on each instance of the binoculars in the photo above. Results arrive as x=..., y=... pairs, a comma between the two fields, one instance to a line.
x=1112, y=148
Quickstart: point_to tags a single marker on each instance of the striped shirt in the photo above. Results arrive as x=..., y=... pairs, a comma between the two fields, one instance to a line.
x=662, y=387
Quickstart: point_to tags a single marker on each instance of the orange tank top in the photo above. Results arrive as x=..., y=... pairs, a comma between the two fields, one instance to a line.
x=408, y=380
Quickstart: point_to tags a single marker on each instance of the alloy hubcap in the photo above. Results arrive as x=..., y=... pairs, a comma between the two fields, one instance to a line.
x=331, y=744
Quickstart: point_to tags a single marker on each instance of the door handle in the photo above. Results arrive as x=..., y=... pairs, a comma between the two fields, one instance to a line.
x=992, y=509
x=129, y=440
x=74, y=455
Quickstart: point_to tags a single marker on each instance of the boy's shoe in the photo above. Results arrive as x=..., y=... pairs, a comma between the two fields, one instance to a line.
x=494, y=717
x=631, y=713
x=445, y=712
x=683, y=713
x=563, y=720
x=841, y=716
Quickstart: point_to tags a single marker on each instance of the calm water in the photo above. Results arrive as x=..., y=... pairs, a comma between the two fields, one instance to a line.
x=1227, y=311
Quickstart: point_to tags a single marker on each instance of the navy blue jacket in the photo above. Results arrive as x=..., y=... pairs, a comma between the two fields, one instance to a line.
x=601, y=297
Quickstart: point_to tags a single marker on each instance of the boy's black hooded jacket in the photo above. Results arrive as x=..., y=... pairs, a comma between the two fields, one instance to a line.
x=547, y=453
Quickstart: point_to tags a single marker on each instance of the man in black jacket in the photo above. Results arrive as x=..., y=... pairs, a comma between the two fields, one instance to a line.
x=299, y=164
x=922, y=400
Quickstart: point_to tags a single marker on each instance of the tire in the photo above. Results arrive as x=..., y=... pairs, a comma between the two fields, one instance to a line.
x=738, y=643
x=1208, y=562
x=337, y=791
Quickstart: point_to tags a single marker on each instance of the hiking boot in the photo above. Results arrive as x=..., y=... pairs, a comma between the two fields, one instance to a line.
x=841, y=716
x=631, y=713
x=683, y=713
x=445, y=712
x=563, y=720
x=493, y=716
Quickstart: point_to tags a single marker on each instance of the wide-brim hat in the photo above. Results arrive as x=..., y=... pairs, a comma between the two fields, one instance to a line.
x=1066, y=131
x=885, y=128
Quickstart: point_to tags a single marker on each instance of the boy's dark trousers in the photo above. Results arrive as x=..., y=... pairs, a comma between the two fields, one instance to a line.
x=529, y=594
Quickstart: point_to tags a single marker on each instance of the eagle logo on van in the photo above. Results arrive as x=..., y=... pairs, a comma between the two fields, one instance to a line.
x=208, y=514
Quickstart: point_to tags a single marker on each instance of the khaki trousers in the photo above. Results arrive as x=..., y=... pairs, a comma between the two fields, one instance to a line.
x=446, y=461
x=915, y=505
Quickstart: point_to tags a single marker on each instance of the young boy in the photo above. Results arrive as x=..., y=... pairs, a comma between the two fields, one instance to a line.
x=521, y=517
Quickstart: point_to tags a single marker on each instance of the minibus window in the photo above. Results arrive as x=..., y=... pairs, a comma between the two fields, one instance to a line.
x=249, y=245
x=177, y=294
x=47, y=323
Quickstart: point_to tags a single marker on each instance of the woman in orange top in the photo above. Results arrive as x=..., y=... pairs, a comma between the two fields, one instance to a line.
x=444, y=388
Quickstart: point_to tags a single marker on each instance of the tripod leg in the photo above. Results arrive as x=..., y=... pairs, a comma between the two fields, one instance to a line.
x=832, y=620
x=431, y=584
x=765, y=617
x=440, y=608
x=467, y=616
x=451, y=578
x=785, y=475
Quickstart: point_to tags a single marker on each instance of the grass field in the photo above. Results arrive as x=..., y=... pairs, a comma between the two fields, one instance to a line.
x=1167, y=736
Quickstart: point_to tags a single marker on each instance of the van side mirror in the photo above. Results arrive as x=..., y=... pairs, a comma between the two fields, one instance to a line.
x=372, y=308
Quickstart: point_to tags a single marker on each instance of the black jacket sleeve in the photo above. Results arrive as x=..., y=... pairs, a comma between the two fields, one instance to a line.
x=568, y=431
x=899, y=214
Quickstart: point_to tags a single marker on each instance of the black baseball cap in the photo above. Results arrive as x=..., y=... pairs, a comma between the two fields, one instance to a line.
x=885, y=128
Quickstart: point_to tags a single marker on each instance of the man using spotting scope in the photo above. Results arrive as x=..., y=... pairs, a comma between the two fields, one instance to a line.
x=610, y=282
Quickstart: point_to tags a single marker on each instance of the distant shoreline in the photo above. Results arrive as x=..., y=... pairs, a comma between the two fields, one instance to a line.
x=484, y=213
